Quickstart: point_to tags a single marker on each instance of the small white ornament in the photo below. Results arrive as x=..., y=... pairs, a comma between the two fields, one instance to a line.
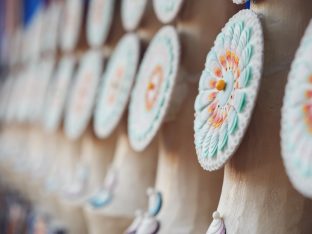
x=100, y=17
x=153, y=90
x=228, y=88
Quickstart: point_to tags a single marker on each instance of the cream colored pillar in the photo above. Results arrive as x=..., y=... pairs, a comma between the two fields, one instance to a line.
x=257, y=196
x=189, y=193
x=135, y=173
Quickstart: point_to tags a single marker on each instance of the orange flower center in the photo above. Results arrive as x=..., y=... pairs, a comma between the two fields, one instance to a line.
x=153, y=87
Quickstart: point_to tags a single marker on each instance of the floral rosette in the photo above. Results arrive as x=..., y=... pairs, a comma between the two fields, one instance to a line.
x=228, y=89
x=154, y=88
x=100, y=17
x=82, y=97
x=132, y=12
x=296, y=129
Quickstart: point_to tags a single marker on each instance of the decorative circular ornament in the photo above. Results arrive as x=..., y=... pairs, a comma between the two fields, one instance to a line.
x=117, y=83
x=50, y=34
x=58, y=93
x=83, y=94
x=132, y=12
x=99, y=22
x=154, y=201
x=228, y=89
x=296, y=129
x=154, y=87
x=167, y=10
x=73, y=14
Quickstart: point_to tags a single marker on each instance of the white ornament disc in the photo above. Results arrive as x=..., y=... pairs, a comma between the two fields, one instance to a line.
x=167, y=10
x=72, y=20
x=228, y=89
x=116, y=85
x=82, y=97
x=50, y=34
x=132, y=12
x=58, y=93
x=154, y=86
x=296, y=133
x=100, y=17
x=42, y=75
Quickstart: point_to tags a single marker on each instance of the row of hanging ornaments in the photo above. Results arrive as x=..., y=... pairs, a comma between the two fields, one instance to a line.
x=228, y=89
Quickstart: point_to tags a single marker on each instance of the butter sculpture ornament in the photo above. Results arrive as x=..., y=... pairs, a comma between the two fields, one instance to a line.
x=296, y=123
x=228, y=89
x=147, y=223
x=100, y=17
x=58, y=93
x=132, y=12
x=81, y=100
x=217, y=225
x=73, y=14
x=167, y=10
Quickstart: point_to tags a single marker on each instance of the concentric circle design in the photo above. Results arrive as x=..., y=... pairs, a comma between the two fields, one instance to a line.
x=100, y=17
x=132, y=12
x=117, y=83
x=58, y=93
x=227, y=89
x=73, y=14
x=167, y=10
x=82, y=98
x=296, y=132
x=154, y=87
x=50, y=35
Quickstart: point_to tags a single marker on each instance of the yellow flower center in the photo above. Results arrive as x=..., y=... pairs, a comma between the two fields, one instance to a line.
x=220, y=85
